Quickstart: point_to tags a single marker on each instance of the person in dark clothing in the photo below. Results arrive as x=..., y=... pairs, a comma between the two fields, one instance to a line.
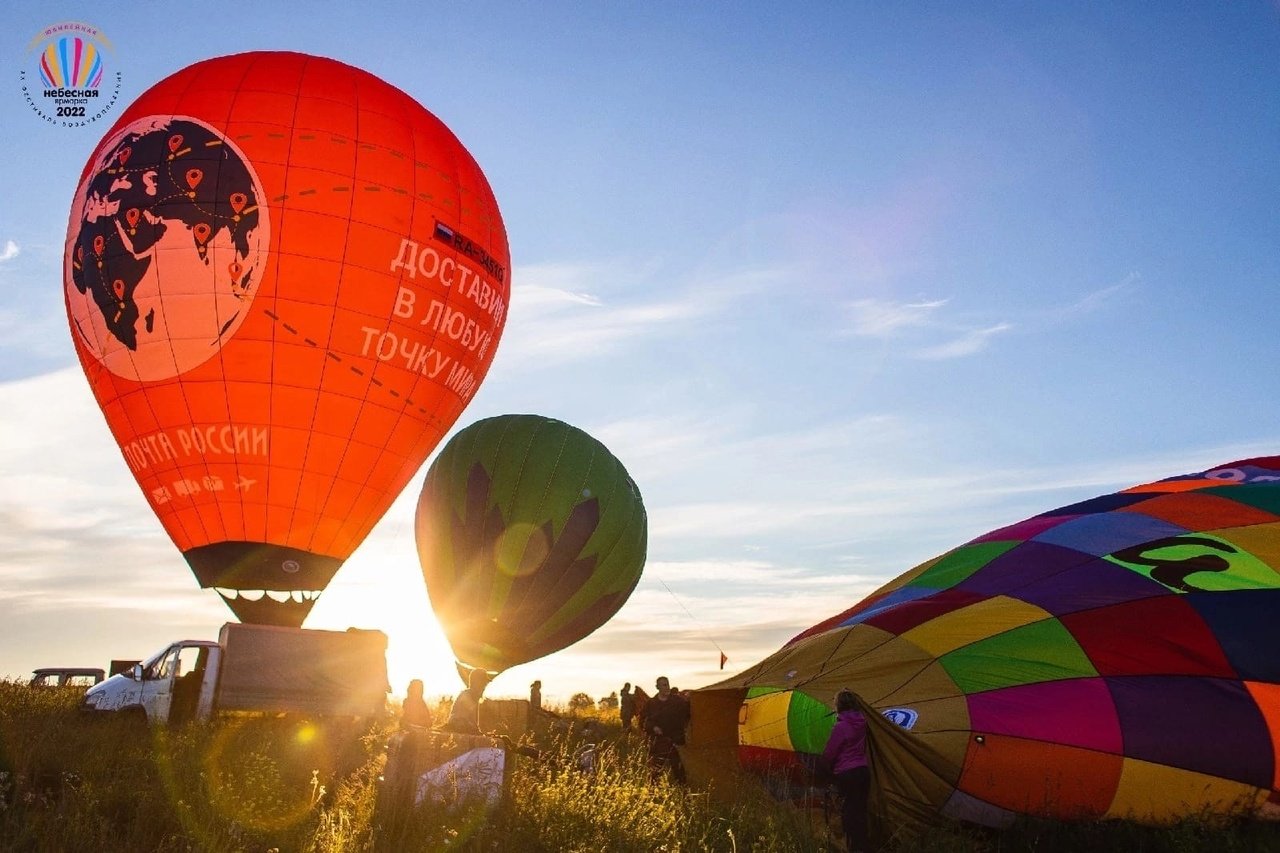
x=626, y=706
x=664, y=720
x=535, y=696
x=415, y=712
x=186, y=691
x=845, y=757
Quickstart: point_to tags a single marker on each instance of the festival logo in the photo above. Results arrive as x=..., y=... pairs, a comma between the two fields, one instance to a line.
x=68, y=78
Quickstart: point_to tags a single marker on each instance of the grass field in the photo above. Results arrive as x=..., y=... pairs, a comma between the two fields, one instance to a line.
x=69, y=783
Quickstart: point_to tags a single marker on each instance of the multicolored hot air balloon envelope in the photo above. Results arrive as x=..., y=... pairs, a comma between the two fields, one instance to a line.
x=1116, y=658
x=531, y=535
x=71, y=63
x=285, y=279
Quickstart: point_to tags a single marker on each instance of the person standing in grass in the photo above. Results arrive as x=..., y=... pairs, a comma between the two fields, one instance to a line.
x=664, y=720
x=845, y=758
x=626, y=706
x=464, y=716
x=415, y=712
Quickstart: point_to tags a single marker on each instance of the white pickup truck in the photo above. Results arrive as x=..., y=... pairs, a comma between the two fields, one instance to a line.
x=253, y=668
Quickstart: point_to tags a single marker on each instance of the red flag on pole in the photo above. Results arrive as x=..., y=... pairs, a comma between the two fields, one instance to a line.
x=723, y=659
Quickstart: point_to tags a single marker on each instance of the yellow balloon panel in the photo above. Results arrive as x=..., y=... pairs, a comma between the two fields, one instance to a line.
x=970, y=624
x=1159, y=794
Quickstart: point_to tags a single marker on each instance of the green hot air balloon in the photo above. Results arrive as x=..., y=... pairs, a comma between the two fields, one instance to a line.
x=531, y=535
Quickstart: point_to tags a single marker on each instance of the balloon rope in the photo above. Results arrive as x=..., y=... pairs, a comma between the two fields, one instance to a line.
x=723, y=657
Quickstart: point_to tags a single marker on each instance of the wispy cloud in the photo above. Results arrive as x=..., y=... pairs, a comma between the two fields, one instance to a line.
x=9, y=252
x=1091, y=303
x=570, y=312
x=879, y=318
x=687, y=443
x=970, y=342
x=922, y=328
x=925, y=330
x=1096, y=299
x=843, y=491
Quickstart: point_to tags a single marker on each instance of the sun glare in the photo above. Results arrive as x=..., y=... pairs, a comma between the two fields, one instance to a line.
x=383, y=591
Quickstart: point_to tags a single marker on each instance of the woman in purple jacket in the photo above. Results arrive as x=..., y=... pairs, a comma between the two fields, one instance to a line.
x=846, y=757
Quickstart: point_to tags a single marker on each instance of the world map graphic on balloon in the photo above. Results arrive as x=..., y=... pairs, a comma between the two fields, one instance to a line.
x=170, y=200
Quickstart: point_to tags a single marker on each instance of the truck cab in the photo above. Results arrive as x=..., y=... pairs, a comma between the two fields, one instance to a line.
x=174, y=685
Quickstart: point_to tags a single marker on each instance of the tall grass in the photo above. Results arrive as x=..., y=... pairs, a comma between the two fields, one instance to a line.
x=69, y=783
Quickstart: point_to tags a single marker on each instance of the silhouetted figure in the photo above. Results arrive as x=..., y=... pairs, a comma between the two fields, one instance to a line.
x=186, y=691
x=535, y=696
x=626, y=706
x=415, y=712
x=464, y=716
x=664, y=720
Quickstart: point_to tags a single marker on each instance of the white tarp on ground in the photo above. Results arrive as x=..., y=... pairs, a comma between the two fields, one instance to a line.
x=476, y=774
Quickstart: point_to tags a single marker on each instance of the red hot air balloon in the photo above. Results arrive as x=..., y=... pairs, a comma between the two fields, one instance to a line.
x=285, y=279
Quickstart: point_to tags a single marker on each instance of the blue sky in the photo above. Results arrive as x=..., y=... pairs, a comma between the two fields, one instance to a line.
x=843, y=285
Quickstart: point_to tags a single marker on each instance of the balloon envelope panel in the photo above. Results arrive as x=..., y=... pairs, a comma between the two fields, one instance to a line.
x=531, y=535
x=1111, y=658
x=285, y=279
